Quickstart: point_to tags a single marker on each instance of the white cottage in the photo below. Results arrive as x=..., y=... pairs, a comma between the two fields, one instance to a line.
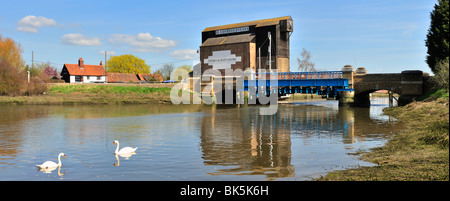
x=80, y=73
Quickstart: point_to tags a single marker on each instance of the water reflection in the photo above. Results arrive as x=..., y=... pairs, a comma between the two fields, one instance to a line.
x=12, y=124
x=212, y=143
x=244, y=140
x=123, y=155
x=241, y=142
x=49, y=170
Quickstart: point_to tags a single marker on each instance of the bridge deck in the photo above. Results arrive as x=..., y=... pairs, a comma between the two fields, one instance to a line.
x=300, y=75
x=323, y=82
x=339, y=82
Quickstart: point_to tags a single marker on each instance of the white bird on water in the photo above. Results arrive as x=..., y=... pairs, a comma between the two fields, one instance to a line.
x=51, y=164
x=125, y=150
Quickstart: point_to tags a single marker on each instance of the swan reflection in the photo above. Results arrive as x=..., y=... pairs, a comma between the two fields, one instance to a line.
x=123, y=155
x=50, y=169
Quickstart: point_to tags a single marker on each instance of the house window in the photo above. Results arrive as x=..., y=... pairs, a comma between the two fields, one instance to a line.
x=78, y=78
x=87, y=78
x=99, y=77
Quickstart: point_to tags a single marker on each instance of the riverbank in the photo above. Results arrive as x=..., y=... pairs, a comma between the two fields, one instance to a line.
x=418, y=153
x=86, y=94
x=112, y=93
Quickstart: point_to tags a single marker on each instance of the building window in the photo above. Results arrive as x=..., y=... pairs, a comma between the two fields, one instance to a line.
x=99, y=77
x=87, y=78
x=78, y=78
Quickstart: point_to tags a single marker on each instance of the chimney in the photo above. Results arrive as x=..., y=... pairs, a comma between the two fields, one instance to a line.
x=101, y=63
x=81, y=63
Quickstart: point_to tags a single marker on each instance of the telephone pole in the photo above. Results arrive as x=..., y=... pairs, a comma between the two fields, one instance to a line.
x=106, y=77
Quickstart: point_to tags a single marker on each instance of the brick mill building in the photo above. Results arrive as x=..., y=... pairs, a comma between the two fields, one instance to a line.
x=246, y=45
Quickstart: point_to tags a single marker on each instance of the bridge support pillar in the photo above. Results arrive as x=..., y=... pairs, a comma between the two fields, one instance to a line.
x=362, y=99
x=412, y=81
x=346, y=97
x=405, y=99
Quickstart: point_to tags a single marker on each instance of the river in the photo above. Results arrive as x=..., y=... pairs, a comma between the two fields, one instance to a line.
x=301, y=141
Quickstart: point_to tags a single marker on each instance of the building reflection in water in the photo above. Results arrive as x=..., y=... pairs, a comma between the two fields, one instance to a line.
x=251, y=144
x=241, y=142
x=13, y=126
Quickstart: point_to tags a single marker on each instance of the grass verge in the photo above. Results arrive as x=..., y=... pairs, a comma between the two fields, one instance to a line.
x=94, y=94
x=105, y=89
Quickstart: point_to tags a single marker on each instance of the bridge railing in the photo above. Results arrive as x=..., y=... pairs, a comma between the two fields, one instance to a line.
x=300, y=75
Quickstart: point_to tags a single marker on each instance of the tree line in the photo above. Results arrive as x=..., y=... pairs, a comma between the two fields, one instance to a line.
x=129, y=63
x=437, y=44
x=14, y=73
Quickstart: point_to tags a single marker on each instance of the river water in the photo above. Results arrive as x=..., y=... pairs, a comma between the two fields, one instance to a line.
x=189, y=142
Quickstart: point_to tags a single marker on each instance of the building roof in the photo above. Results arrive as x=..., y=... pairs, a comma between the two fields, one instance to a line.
x=122, y=77
x=242, y=38
x=88, y=70
x=257, y=23
x=149, y=77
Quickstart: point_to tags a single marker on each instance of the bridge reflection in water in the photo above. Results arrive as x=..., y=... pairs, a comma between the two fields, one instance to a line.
x=246, y=143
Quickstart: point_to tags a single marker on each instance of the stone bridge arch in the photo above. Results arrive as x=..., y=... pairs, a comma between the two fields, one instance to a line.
x=408, y=84
x=369, y=83
x=374, y=82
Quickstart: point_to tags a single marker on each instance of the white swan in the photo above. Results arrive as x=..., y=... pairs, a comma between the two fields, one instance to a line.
x=125, y=150
x=51, y=164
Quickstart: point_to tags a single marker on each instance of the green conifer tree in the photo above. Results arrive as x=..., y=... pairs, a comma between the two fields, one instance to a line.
x=438, y=35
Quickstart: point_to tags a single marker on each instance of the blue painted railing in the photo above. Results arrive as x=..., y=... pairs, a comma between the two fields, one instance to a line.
x=301, y=75
x=323, y=83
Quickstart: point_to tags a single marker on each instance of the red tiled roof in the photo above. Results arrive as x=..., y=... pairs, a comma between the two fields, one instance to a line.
x=122, y=77
x=148, y=77
x=89, y=70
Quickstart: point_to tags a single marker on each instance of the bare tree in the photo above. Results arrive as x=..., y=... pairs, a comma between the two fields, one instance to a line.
x=305, y=64
x=166, y=70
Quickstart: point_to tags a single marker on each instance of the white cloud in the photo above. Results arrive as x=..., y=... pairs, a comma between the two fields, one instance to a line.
x=31, y=23
x=109, y=53
x=78, y=39
x=185, y=54
x=142, y=42
x=27, y=29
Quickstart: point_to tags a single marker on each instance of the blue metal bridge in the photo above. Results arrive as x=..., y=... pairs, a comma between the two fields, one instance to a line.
x=326, y=83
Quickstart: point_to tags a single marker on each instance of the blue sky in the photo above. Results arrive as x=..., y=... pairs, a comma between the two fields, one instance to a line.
x=382, y=36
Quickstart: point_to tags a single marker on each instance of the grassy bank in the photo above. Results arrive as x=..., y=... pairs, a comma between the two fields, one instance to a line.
x=105, y=90
x=418, y=153
x=95, y=94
